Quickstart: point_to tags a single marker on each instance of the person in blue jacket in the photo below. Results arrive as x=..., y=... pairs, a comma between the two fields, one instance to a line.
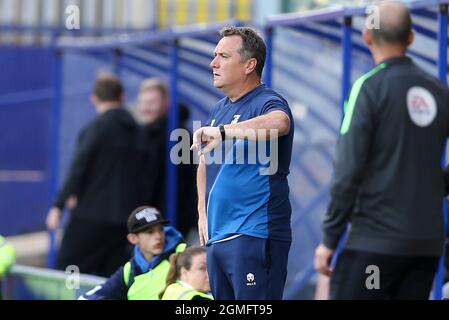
x=144, y=276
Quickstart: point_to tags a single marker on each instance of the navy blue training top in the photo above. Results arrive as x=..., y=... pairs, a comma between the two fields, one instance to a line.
x=249, y=196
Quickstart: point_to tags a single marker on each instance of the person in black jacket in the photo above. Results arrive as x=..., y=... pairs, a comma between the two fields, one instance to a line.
x=105, y=182
x=388, y=181
x=153, y=103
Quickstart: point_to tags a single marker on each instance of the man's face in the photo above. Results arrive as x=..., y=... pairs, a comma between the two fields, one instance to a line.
x=152, y=105
x=152, y=240
x=228, y=66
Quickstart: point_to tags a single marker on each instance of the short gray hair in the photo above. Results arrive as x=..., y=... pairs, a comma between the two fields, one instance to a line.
x=253, y=45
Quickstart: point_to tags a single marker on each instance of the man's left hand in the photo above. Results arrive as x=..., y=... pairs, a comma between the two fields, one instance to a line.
x=72, y=202
x=210, y=136
x=323, y=258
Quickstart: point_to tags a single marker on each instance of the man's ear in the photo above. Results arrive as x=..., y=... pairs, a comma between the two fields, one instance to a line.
x=250, y=65
x=368, y=37
x=411, y=37
x=132, y=238
x=94, y=100
x=183, y=273
x=123, y=98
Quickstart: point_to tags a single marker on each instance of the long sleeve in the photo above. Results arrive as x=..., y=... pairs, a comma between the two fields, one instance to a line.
x=113, y=289
x=351, y=157
x=446, y=181
x=87, y=143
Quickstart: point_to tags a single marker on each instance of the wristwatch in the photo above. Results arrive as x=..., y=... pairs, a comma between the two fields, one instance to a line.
x=222, y=132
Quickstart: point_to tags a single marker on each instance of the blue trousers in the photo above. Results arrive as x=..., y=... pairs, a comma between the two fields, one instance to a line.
x=248, y=268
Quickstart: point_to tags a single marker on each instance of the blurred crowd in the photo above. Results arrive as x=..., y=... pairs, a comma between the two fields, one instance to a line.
x=120, y=163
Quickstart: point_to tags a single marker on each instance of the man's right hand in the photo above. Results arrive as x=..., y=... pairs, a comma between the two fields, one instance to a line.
x=210, y=136
x=53, y=218
x=323, y=258
x=202, y=229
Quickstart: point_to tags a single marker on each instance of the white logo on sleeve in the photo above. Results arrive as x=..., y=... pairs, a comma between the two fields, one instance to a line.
x=236, y=118
x=250, y=279
x=421, y=106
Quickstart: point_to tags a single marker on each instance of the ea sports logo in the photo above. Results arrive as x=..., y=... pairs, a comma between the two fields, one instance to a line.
x=421, y=106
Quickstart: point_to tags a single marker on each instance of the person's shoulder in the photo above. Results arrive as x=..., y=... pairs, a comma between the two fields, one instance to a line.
x=94, y=122
x=375, y=74
x=119, y=119
x=268, y=94
x=93, y=127
x=99, y=122
x=120, y=113
x=221, y=103
x=431, y=79
x=371, y=82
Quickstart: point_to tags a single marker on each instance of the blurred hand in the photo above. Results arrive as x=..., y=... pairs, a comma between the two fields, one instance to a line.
x=202, y=229
x=323, y=258
x=71, y=202
x=210, y=136
x=53, y=218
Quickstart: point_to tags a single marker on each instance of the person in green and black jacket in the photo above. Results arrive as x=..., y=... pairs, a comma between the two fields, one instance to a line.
x=388, y=180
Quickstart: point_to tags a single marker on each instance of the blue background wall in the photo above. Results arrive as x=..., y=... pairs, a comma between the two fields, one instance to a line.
x=24, y=138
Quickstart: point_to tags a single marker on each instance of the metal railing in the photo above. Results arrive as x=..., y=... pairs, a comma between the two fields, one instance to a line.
x=32, y=283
